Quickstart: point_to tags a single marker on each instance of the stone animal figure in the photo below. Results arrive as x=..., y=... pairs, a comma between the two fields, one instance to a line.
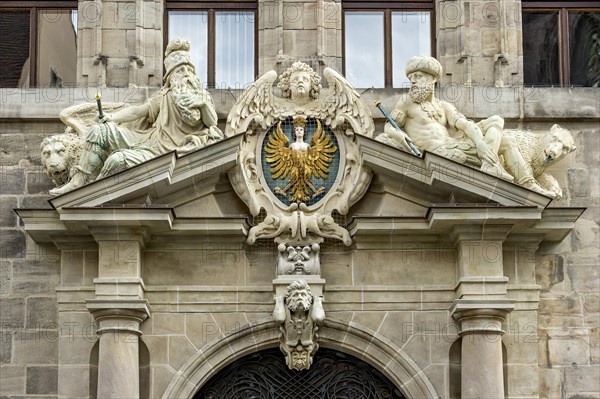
x=542, y=151
x=59, y=154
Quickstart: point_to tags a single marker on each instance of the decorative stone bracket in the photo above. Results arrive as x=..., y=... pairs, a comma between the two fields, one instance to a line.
x=300, y=259
x=299, y=311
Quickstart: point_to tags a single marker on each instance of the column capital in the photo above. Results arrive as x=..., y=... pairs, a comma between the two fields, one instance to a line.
x=130, y=312
x=498, y=309
x=121, y=233
x=479, y=232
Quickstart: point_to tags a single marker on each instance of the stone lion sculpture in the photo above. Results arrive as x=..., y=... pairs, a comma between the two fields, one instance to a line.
x=59, y=154
x=542, y=151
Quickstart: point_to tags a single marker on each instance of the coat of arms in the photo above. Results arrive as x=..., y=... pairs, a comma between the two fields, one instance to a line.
x=298, y=162
x=303, y=167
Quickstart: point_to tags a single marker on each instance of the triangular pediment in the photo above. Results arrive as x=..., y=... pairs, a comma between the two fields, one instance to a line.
x=402, y=184
x=179, y=194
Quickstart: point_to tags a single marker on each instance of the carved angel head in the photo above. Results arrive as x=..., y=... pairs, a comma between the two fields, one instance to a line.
x=300, y=81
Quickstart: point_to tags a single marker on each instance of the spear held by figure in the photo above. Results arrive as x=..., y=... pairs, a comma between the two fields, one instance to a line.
x=411, y=146
x=99, y=102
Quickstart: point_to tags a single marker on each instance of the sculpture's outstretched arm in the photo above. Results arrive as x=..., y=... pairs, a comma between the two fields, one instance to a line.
x=129, y=114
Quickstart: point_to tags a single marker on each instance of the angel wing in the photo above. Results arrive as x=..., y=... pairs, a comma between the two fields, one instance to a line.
x=80, y=117
x=320, y=153
x=343, y=103
x=280, y=155
x=257, y=103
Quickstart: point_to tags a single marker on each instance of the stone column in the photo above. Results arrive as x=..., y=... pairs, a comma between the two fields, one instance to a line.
x=118, y=359
x=119, y=308
x=480, y=308
x=481, y=353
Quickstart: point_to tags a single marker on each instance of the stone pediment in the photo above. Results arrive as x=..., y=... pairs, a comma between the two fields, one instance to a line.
x=191, y=195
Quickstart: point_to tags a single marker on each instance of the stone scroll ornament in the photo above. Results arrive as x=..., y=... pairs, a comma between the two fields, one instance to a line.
x=299, y=314
x=179, y=117
x=299, y=161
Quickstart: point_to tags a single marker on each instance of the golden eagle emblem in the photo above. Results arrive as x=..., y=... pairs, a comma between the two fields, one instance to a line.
x=300, y=160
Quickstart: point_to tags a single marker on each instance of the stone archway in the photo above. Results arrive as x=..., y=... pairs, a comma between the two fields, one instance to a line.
x=339, y=335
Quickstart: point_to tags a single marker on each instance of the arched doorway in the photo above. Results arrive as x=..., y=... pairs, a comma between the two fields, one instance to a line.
x=354, y=340
x=333, y=375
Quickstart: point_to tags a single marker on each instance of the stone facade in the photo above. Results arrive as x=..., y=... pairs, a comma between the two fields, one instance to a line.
x=399, y=301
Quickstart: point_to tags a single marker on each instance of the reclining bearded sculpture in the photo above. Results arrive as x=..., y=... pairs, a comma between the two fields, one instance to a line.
x=438, y=127
x=180, y=116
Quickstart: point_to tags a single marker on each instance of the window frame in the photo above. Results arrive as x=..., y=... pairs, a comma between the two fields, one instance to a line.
x=563, y=9
x=212, y=8
x=35, y=7
x=387, y=8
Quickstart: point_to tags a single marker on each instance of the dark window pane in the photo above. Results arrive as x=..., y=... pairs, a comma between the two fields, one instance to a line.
x=411, y=35
x=234, y=49
x=14, y=49
x=584, y=48
x=540, y=48
x=57, y=48
x=192, y=25
x=365, y=64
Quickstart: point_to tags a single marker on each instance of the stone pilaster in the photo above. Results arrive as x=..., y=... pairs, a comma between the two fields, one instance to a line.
x=481, y=307
x=308, y=31
x=481, y=331
x=120, y=43
x=480, y=42
x=118, y=358
x=119, y=308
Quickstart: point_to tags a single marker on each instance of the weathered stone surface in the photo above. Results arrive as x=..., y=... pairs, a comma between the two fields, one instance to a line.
x=5, y=277
x=560, y=305
x=12, y=244
x=582, y=381
x=585, y=278
x=12, y=380
x=550, y=271
x=579, y=182
x=36, y=276
x=12, y=179
x=585, y=237
x=180, y=350
x=8, y=217
x=568, y=351
x=42, y=380
x=41, y=312
x=38, y=183
x=5, y=347
x=165, y=323
x=35, y=347
x=12, y=313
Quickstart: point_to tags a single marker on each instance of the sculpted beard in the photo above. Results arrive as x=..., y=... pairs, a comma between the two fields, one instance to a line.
x=420, y=92
x=186, y=85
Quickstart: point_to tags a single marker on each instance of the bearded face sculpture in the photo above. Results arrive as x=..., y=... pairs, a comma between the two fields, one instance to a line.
x=299, y=314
